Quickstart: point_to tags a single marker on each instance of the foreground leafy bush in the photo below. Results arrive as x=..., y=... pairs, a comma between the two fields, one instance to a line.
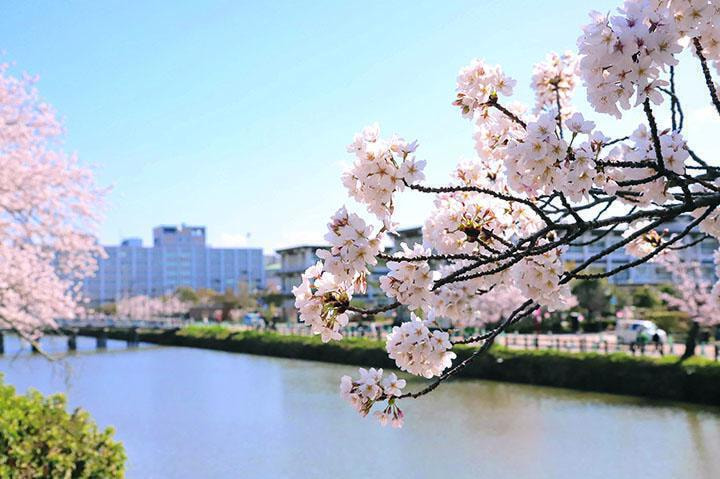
x=40, y=439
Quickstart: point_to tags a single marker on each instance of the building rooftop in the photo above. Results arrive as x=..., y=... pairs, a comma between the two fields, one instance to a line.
x=300, y=247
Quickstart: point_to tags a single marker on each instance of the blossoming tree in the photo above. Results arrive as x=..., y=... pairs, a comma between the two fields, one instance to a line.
x=145, y=307
x=47, y=214
x=544, y=178
x=697, y=296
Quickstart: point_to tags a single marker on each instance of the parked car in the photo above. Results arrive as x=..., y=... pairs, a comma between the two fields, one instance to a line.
x=627, y=331
x=254, y=319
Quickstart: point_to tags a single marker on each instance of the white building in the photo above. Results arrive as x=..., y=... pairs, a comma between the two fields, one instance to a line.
x=647, y=273
x=179, y=257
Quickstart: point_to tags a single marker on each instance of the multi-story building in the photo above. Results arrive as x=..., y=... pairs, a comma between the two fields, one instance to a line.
x=647, y=273
x=178, y=257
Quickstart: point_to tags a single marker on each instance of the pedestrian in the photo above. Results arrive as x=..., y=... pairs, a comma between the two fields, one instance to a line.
x=657, y=342
x=642, y=339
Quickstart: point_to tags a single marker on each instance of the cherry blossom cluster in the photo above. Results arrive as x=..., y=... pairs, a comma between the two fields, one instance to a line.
x=324, y=294
x=471, y=222
x=322, y=302
x=674, y=153
x=554, y=81
x=418, y=350
x=479, y=83
x=543, y=162
x=538, y=278
x=643, y=244
x=494, y=129
x=31, y=293
x=372, y=387
x=623, y=55
x=381, y=168
x=409, y=281
x=473, y=303
x=711, y=223
x=696, y=19
x=464, y=223
x=352, y=248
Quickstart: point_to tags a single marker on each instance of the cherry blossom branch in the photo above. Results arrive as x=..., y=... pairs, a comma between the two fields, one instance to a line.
x=699, y=160
x=535, y=195
x=515, y=254
x=662, y=215
x=556, y=87
x=616, y=140
x=653, y=253
x=432, y=257
x=516, y=315
x=369, y=312
x=476, y=189
x=706, y=73
x=493, y=102
x=655, y=137
x=691, y=243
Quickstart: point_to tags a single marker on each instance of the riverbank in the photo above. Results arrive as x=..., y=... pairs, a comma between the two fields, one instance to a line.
x=696, y=380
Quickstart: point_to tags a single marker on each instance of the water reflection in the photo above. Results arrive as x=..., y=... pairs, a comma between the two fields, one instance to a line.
x=193, y=413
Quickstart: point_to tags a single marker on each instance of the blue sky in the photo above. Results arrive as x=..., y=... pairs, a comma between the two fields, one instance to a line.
x=235, y=115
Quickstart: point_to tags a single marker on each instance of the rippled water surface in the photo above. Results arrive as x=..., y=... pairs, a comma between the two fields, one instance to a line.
x=186, y=413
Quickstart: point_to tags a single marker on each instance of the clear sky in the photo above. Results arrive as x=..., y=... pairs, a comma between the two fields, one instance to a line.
x=235, y=115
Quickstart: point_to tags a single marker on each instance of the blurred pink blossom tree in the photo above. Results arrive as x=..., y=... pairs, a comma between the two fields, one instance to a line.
x=48, y=214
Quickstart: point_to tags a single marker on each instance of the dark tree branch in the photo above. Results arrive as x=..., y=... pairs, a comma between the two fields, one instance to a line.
x=706, y=73
x=379, y=309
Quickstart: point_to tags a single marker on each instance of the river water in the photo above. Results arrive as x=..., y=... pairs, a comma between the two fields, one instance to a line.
x=187, y=413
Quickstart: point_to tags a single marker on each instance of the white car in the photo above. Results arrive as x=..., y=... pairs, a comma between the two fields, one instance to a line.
x=627, y=331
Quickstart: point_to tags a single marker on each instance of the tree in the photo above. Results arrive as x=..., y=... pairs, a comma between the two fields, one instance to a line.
x=187, y=294
x=145, y=307
x=696, y=296
x=245, y=299
x=645, y=297
x=48, y=214
x=593, y=297
x=545, y=179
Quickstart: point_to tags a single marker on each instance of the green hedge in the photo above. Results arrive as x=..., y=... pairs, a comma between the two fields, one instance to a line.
x=39, y=438
x=695, y=380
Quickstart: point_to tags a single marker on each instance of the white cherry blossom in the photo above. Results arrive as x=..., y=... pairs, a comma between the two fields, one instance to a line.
x=419, y=351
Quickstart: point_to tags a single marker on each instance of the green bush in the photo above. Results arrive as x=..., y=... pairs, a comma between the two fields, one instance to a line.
x=676, y=322
x=646, y=297
x=39, y=438
x=694, y=380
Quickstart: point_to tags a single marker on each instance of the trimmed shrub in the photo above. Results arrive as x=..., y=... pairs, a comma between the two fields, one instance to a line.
x=39, y=438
